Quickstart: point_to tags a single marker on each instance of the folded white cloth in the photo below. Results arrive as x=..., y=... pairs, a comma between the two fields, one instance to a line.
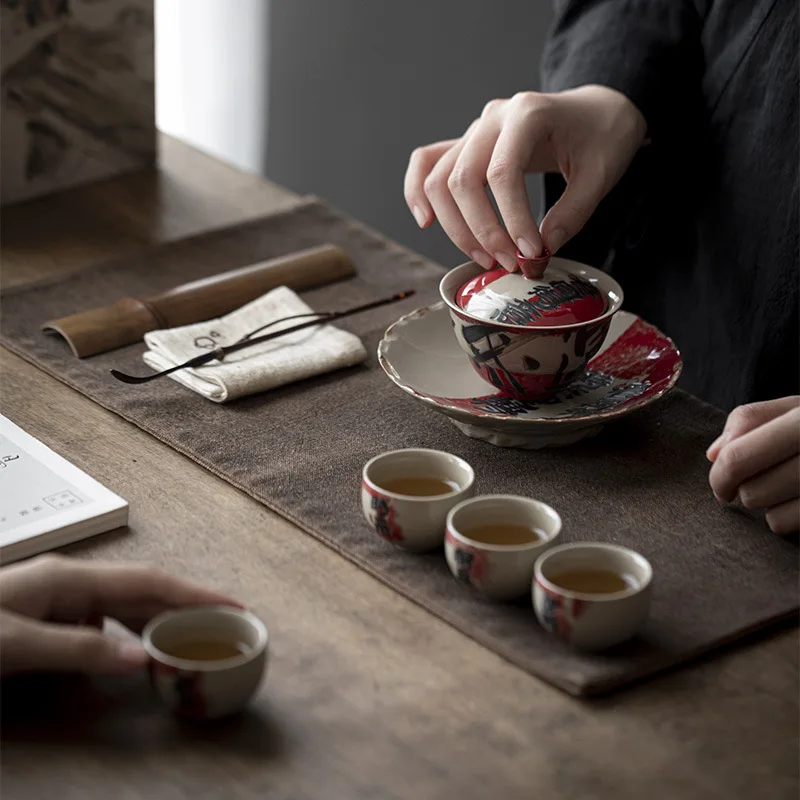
x=258, y=368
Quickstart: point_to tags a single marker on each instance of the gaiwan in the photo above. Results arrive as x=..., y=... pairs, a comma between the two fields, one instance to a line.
x=557, y=298
x=530, y=337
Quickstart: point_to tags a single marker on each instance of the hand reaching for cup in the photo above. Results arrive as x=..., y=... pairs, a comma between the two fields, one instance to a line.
x=757, y=460
x=51, y=612
x=589, y=134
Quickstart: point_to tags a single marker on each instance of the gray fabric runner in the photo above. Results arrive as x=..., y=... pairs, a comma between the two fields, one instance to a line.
x=719, y=574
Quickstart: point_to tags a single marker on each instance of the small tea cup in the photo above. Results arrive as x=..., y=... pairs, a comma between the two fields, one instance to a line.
x=592, y=621
x=413, y=523
x=498, y=571
x=206, y=689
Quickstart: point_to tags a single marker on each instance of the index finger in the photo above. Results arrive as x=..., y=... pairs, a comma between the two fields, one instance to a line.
x=744, y=419
x=66, y=588
x=467, y=184
x=755, y=451
x=506, y=174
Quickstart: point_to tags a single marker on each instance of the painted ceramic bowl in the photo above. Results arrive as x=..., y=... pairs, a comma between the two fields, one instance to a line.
x=530, y=338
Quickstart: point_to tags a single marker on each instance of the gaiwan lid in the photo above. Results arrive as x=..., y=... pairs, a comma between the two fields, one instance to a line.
x=559, y=297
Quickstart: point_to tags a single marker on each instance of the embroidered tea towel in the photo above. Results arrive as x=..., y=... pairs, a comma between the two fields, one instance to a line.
x=261, y=367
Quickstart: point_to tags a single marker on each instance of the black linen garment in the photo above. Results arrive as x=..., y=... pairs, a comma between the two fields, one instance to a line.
x=702, y=232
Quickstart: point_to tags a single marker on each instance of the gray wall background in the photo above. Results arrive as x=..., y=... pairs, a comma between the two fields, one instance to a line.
x=355, y=85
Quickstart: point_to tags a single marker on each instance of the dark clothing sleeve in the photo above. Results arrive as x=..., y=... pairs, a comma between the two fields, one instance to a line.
x=702, y=230
x=649, y=50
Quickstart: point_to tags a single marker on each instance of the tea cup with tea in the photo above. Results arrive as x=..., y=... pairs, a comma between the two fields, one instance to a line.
x=407, y=494
x=493, y=541
x=592, y=595
x=206, y=661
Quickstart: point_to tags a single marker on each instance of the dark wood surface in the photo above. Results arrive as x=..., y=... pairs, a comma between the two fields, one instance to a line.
x=368, y=695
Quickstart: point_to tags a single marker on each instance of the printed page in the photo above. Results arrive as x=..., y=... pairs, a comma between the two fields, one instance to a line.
x=42, y=492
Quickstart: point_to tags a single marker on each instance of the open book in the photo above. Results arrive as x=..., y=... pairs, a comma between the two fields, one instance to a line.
x=46, y=502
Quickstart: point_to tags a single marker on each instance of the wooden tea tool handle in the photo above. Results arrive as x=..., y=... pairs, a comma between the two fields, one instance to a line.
x=220, y=294
x=127, y=321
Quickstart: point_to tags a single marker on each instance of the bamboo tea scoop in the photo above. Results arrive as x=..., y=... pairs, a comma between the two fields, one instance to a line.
x=218, y=353
x=127, y=321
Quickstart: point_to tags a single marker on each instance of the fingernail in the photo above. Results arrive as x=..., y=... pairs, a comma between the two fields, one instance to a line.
x=526, y=248
x=508, y=260
x=420, y=216
x=555, y=239
x=483, y=258
x=131, y=653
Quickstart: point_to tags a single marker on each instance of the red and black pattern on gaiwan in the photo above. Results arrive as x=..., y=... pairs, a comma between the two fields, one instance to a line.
x=556, y=303
x=477, y=285
x=488, y=346
x=384, y=516
x=528, y=385
x=559, y=302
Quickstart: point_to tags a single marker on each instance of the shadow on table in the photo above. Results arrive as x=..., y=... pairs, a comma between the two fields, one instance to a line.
x=123, y=714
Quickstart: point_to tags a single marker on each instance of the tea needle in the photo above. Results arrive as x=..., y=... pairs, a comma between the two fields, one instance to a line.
x=218, y=353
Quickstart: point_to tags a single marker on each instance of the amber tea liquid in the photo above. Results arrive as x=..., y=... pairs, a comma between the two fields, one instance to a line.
x=592, y=581
x=206, y=650
x=419, y=486
x=504, y=533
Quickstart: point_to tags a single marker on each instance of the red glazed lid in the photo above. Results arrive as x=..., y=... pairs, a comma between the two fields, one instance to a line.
x=559, y=297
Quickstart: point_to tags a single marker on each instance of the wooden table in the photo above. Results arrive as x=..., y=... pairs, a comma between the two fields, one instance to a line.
x=368, y=695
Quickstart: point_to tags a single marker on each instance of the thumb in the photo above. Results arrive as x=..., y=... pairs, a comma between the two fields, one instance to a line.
x=747, y=418
x=34, y=646
x=585, y=190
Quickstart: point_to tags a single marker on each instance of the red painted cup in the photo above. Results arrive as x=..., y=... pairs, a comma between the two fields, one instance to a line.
x=413, y=522
x=498, y=571
x=190, y=682
x=592, y=620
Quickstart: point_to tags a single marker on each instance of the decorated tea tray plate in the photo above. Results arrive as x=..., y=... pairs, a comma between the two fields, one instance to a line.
x=636, y=365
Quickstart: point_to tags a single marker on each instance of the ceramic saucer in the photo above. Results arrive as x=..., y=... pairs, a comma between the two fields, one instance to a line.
x=636, y=365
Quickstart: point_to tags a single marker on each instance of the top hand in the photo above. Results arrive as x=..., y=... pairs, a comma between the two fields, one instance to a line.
x=757, y=459
x=51, y=609
x=589, y=134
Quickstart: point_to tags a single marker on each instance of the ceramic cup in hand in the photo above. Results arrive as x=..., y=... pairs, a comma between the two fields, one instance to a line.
x=206, y=661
